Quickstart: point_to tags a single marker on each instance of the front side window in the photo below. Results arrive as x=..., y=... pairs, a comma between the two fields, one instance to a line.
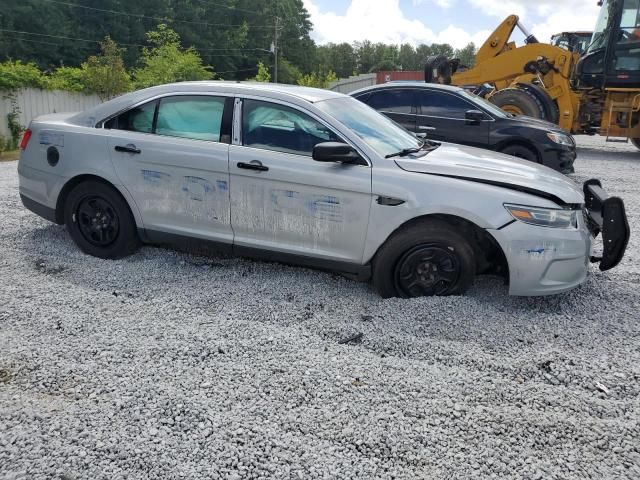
x=393, y=101
x=271, y=126
x=444, y=105
x=196, y=117
x=628, y=45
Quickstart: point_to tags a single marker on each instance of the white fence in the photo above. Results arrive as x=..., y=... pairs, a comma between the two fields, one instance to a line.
x=33, y=102
x=353, y=83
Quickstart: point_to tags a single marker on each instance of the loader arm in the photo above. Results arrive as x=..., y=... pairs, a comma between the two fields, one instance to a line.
x=498, y=41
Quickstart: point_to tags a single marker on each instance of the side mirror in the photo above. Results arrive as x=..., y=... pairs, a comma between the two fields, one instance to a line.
x=421, y=135
x=336, y=152
x=474, y=117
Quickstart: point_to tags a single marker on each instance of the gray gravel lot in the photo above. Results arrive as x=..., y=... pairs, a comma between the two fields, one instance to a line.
x=169, y=365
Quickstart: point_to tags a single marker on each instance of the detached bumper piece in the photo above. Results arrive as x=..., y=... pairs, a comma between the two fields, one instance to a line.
x=606, y=215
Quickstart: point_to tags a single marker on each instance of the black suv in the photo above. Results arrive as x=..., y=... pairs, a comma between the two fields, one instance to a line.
x=451, y=114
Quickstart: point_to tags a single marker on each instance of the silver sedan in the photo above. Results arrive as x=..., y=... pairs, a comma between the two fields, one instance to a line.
x=311, y=177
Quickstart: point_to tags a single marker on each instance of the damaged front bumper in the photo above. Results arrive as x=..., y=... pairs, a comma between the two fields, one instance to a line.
x=545, y=261
x=606, y=215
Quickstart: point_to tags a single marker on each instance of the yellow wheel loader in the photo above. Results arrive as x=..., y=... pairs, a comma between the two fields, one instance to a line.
x=596, y=92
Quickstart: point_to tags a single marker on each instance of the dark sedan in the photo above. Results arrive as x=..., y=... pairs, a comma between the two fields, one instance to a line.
x=451, y=114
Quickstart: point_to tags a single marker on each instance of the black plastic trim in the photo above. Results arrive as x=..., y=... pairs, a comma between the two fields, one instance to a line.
x=45, y=212
x=506, y=224
x=607, y=215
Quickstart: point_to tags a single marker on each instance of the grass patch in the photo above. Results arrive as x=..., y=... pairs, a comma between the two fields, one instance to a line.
x=9, y=156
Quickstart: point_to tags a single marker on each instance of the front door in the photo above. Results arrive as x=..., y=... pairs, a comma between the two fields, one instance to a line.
x=172, y=155
x=284, y=201
x=442, y=116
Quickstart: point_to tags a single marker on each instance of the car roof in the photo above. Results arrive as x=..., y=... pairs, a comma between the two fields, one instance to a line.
x=408, y=83
x=294, y=93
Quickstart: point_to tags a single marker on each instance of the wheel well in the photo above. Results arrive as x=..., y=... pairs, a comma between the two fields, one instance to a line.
x=70, y=185
x=489, y=255
x=522, y=143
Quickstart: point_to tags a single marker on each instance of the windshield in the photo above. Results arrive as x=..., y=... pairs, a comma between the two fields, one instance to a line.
x=599, y=39
x=486, y=104
x=380, y=133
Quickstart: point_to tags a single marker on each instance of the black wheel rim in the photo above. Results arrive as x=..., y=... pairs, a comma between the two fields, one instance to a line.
x=428, y=269
x=97, y=221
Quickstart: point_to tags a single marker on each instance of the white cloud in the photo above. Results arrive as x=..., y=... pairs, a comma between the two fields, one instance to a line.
x=384, y=21
x=558, y=15
x=381, y=21
x=440, y=3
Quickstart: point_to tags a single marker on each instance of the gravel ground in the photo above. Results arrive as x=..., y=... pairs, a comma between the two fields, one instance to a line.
x=169, y=365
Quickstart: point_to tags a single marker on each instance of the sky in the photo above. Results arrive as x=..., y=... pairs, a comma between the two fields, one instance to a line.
x=456, y=22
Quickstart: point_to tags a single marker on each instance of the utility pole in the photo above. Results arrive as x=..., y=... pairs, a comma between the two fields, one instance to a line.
x=275, y=51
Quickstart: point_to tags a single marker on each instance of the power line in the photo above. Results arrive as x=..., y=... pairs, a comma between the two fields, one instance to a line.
x=158, y=19
x=124, y=44
x=235, y=9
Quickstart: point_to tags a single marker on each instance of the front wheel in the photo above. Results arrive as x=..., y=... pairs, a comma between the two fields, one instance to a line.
x=635, y=142
x=521, y=151
x=100, y=221
x=429, y=258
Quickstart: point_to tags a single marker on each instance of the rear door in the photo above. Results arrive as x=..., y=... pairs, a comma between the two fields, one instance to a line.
x=172, y=154
x=442, y=116
x=284, y=201
x=399, y=104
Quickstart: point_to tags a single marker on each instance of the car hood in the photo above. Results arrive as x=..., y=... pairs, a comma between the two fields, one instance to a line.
x=485, y=166
x=537, y=123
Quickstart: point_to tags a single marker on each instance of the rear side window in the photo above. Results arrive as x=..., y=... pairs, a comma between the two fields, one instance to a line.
x=271, y=126
x=394, y=101
x=198, y=118
x=138, y=119
x=445, y=105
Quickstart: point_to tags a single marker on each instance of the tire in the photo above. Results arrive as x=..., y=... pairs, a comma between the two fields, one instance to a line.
x=431, y=255
x=100, y=221
x=441, y=66
x=518, y=102
x=521, y=151
x=635, y=142
x=551, y=110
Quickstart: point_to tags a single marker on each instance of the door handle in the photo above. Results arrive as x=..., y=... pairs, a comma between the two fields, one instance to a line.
x=424, y=127
x=128, y=149
x=254, y=165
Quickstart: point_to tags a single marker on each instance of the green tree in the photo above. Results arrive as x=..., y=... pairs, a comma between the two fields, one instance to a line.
x=288, y=72
x=263, y=74
x=104, y=73
x=318, y=80
x=467, y=55
x=71, y=79
x=15, y=75
x=407, y=58
x=166, y=61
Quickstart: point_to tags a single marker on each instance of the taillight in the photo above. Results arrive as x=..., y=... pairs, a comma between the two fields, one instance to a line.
x=25, y=139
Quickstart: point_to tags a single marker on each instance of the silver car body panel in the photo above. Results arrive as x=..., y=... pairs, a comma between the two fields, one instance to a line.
x=329, y=211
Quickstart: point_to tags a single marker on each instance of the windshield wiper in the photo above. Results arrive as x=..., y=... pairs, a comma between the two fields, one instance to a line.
x=426, y=145
x=404, y=152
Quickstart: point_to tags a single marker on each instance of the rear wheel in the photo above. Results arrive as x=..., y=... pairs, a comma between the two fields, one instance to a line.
x=635, y=142
x=521, y=151
x=429, y=258
x=100, y=221
x=519, y=102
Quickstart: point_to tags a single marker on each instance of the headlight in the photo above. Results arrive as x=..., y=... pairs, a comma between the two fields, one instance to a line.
x=560, y=138
x=544, y=217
